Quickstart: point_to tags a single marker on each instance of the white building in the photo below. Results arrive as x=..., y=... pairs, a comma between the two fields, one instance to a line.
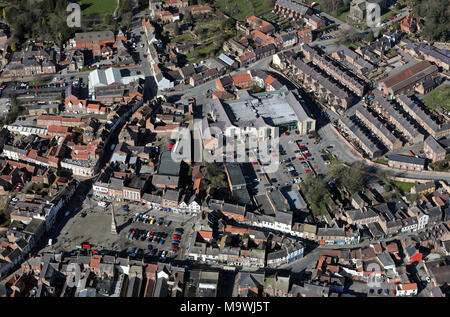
x=108, y=77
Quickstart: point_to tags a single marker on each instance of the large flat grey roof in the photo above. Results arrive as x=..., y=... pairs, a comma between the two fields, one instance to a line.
x=167, y=166
x=276, y=107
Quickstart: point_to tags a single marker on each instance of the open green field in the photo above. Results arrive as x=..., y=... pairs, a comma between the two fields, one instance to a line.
x=439, y=98
x=242, y=9
x=98, y=6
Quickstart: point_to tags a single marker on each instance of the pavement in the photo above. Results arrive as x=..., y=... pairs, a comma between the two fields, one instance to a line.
x=92, y=224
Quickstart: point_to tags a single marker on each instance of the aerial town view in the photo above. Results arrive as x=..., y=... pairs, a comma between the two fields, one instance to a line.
x=224, y=149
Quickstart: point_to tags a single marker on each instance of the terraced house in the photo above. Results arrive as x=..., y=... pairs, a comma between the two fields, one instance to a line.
x=295, y=9
x=415, y=111
x=358, y=135
x=325, y=88
x=340, y=75
x=377, y=127
x=398, y=120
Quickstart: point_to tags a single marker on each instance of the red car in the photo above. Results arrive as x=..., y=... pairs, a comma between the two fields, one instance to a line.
x=307, y=171
x=175, y=248
x=286, y=133
x=255, y=163
x=301, y=146
x=176, y=237
x=301, y=159
x=307, y=155
x=152, y=234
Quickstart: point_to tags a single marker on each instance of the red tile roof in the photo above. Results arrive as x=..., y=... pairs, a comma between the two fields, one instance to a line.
x=242, y=78
x=409, y=286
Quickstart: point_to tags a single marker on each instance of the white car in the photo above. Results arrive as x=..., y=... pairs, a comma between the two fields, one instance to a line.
x=102, y=204
x=15, y=199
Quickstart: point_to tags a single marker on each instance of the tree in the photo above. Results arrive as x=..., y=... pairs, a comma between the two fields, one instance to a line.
x=126, y=19
x=176, y=29
x=384, y=176
x=229, y=24
x=370, y=36
x=352, y=178
x=214, y=177
x=188, y=18
x=316, y=192
x=107, y=20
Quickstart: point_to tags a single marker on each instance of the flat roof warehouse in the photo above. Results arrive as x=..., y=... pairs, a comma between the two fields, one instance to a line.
x=277, y=108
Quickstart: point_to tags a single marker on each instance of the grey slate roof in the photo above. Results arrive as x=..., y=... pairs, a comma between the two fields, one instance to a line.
x=406, y=159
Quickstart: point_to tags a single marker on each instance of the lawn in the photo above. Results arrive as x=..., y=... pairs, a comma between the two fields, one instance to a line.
x=242, y=9
x=343, y=16
x=381, y=161
x=389, y=14
x=182, y=38
x=404, y=186
x=439, y=98
x=98, y=6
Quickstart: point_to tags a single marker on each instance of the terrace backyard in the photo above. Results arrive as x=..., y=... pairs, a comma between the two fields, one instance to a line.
x=439, y=98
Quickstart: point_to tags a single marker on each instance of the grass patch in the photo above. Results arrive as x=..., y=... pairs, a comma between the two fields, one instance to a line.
x=343, y=16
x=381, y=161
x=98, y=6
x=242, y=9
x=405, y=187
x=182, y=38
x=439, y=98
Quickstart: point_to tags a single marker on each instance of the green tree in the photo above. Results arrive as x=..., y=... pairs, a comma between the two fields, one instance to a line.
x=316, y=193
x=229, y=24
x=107, y=20
x=176, y=30
x=188, y=18
x=352, y=178
x=214, y=177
